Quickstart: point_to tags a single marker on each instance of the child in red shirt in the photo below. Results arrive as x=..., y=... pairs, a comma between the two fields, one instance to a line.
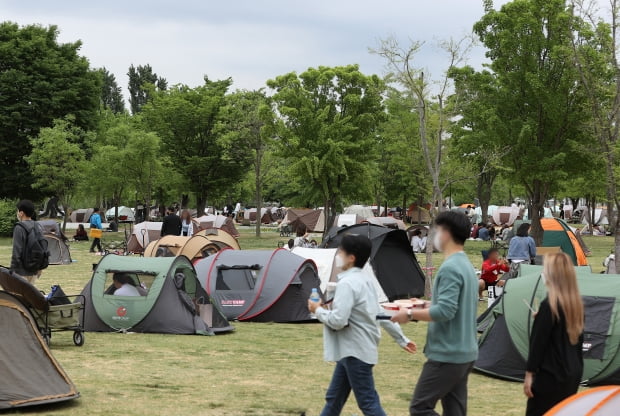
x=492, y=269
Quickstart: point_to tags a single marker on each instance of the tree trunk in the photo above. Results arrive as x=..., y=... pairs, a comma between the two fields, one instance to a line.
x=201, y=204
x=185, y=202
x=258, y=191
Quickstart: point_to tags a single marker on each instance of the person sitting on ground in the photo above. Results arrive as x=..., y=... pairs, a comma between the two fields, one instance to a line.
x=418, y=243
x=492, y=232
x=301, y=240
x=474, y=230
x=507, y=233
x=124, y=284
x=483, y=233
x=492, y=269
x=80, y=234
x=290, y=244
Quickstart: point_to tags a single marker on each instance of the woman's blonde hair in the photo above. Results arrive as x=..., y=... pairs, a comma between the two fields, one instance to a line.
x=563, y=292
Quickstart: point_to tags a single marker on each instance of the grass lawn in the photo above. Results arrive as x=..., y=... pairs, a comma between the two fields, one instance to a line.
x=261, y=369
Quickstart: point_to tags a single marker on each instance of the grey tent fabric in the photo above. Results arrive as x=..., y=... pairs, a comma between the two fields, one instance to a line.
x=58, y=249
x=174, y=304
x=392, y=259
x=260, y=285
x=30, y=374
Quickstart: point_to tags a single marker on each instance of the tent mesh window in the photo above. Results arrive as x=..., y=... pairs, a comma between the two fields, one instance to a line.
x=141, y=281
x=236, y=277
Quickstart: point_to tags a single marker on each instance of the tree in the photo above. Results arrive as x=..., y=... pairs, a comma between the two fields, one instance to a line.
x=57, y=160
x=111, y=94
x=187, y=120
x=475, y=133
x=327, y=130
x=595, y=51
x=143, y=82
x=248, y=121
x=429, y=99
x=40, y=80
x=540, y=98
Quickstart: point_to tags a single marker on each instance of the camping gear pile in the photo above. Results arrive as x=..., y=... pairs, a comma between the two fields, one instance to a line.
x=506, y=326
x=56, y=313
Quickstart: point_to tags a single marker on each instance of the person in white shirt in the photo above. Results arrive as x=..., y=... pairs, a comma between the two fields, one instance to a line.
x=418, y=243
x=124, y=285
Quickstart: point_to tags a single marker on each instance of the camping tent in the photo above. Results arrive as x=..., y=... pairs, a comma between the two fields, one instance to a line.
x=31, y=374
x=557, y=233
x=324, y=259
x=201, y=244
x=360, y=210
x=504, y=345
x=599, y=401
x=142, y=235
x=217, y=221
x=346, y=220
x=266, y=218
x=395, y=265
x=81, y=215
x=389, y=222
x=125, y=214
x=313, y=219
x=260, y=285
x=173, y=300
x=506, y=215
x=56, y=242
x=418, y=215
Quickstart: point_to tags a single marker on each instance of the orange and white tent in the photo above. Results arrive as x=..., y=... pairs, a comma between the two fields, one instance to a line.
x=599, y=401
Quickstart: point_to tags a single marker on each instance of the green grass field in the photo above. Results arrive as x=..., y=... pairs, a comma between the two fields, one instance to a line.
x=261, y=369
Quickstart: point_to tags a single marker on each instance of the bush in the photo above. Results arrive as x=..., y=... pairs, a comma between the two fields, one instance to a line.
x=7, y=217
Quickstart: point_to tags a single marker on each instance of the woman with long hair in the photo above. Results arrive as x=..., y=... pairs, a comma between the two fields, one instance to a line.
x=187, y=225
x=555, y=362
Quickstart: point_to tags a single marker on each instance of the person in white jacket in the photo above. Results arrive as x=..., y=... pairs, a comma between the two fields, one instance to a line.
x=352, y=332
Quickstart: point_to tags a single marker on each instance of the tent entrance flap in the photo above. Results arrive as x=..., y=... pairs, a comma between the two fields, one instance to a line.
x=598, y=311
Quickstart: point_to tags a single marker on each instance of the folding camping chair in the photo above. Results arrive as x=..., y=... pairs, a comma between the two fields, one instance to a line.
x=50, y=318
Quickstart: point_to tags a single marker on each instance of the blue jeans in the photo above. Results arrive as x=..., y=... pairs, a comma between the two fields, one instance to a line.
x=352, y=374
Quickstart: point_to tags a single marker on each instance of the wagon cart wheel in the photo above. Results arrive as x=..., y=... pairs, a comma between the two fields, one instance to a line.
x=78, y=338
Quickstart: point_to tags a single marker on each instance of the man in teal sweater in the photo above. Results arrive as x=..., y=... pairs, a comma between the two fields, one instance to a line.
x=451, y=346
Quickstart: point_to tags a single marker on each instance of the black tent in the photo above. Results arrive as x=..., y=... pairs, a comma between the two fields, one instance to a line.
x=260, y=285
x=392, y=259
x=30, y=373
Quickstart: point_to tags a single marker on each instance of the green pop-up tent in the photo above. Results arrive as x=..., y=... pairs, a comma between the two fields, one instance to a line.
x=504, y=344
x=172, y=300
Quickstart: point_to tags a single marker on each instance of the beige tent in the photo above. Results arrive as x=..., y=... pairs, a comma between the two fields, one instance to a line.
x=313, y=219
x=142, y=235
x=216, y=221
x=419, y=215
x=201, y=244
x=360, y=210
x=221, y=238
x=506, y=215
x=81, y=215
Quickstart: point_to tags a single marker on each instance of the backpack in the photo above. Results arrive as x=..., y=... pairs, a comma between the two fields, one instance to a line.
x=35, y=256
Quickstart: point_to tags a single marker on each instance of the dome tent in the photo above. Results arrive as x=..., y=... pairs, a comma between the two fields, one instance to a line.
x=173, y=301
x=260, y=285
x=504, y=344
x=30, y=373
x=599, y=401
x=392, y=259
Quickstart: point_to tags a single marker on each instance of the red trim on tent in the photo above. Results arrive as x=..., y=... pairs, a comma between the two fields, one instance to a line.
x=208, y=281
x=306, y=261
x=262, y=284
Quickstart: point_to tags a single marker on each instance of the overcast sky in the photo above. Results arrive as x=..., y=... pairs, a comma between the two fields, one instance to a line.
x=248, y=40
